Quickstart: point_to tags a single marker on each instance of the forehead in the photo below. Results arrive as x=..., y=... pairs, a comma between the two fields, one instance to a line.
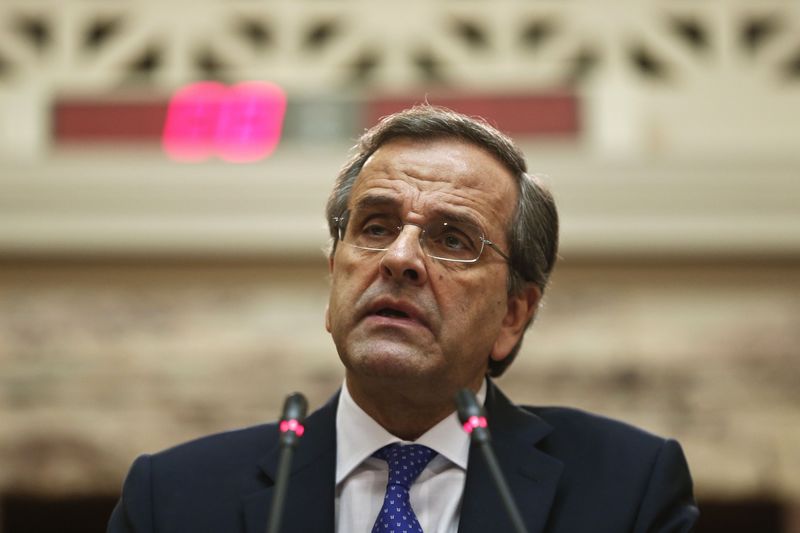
x=450, y=175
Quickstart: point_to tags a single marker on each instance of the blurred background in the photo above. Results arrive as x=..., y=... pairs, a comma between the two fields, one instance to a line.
x=146, y=299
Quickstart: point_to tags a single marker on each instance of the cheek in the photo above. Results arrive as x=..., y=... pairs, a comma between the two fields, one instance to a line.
x=492, y=303
x=338, y=287
x=475, y=307
x=349, y=280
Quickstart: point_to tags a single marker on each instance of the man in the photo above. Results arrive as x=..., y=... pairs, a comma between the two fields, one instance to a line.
x=442, y=248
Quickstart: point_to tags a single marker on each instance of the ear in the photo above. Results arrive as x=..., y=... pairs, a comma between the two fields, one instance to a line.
x=328, y=318
x=328, y=307
x=520, y=310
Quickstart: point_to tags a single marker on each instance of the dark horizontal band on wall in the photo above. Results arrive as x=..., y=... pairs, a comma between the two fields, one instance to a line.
x=528, y=115
x=108, y=120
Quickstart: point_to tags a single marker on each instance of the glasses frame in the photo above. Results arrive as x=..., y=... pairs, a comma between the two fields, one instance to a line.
x=341, y=226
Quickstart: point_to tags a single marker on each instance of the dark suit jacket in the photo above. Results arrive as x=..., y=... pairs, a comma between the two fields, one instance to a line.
x=569, y=471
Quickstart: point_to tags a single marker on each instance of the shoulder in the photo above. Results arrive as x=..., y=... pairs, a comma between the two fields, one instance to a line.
x=612, y=467
x=202, y=474
x=193, y=486
x=597, y=449
x=238, y=452
x=582, y=429
x=207, y=465
x=583, y=441
x=596, y=446
x=221, y=452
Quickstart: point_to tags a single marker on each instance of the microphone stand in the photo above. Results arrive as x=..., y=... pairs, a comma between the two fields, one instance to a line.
x=291, y=427
x=475, y=425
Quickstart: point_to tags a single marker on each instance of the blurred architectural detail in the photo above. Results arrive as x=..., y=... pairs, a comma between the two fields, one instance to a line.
x=651, y=65
x=668, y=98
x=144, y=302
x=86, y=45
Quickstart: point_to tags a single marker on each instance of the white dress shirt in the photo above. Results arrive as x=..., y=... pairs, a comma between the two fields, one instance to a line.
x=361, y=479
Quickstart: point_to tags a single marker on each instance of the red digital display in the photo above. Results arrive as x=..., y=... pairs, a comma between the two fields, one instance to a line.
x=240, y=123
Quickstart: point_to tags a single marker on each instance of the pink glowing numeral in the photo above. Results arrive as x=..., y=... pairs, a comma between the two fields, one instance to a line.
x=191, y=125
x=239, y=124
x=250, y=121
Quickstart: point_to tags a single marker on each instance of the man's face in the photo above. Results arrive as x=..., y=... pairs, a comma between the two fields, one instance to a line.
x=400, y=317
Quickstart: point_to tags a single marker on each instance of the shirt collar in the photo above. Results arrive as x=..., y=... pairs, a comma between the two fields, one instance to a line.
x=358, y=436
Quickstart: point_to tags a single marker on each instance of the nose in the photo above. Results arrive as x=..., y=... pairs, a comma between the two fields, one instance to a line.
x=404, y=260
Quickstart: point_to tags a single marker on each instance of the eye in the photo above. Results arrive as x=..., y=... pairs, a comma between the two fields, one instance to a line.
x=376, y=228
x=376, y=231
x=453, y=240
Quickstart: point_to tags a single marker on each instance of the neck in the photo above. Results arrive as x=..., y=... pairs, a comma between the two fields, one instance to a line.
x=405, y=413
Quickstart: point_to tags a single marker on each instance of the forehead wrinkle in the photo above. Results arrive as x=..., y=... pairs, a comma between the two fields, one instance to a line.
x=378, y=198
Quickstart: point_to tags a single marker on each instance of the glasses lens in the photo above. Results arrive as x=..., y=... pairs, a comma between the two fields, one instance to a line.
x=453, y=240
x=373, y=231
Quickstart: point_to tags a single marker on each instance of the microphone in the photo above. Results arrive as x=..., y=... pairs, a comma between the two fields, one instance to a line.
x=474, y=424
x=291, y=427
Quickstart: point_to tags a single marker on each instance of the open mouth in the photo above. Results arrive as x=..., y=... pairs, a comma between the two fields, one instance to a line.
x=391, y=313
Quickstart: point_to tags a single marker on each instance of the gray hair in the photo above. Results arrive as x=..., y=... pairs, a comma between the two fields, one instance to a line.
x=533, y=232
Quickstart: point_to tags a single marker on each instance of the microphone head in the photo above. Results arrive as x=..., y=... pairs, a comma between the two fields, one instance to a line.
x=291, y=425
x=467, y=405
x=471, y=415
x=295, y=407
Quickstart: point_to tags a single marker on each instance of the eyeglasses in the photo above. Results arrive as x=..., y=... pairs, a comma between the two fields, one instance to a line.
x=442, y=239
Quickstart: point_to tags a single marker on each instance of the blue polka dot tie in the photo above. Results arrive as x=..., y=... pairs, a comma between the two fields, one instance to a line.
x=405, y=465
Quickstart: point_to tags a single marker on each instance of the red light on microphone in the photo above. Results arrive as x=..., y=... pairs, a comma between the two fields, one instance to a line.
x=292, y=425
x=474, y=422
x=240, y=124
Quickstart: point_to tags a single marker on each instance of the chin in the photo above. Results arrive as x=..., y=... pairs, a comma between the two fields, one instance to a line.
x=379, y=360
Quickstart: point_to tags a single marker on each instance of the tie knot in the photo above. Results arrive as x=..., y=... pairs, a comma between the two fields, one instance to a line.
x=406, y=462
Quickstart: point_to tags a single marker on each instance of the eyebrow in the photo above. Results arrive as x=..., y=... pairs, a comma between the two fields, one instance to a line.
x=382, y=200
x=376, y=200
x=461, y=218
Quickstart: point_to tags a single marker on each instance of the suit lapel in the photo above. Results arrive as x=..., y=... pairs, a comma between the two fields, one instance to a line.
x=532, y=475
x=309, y=503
